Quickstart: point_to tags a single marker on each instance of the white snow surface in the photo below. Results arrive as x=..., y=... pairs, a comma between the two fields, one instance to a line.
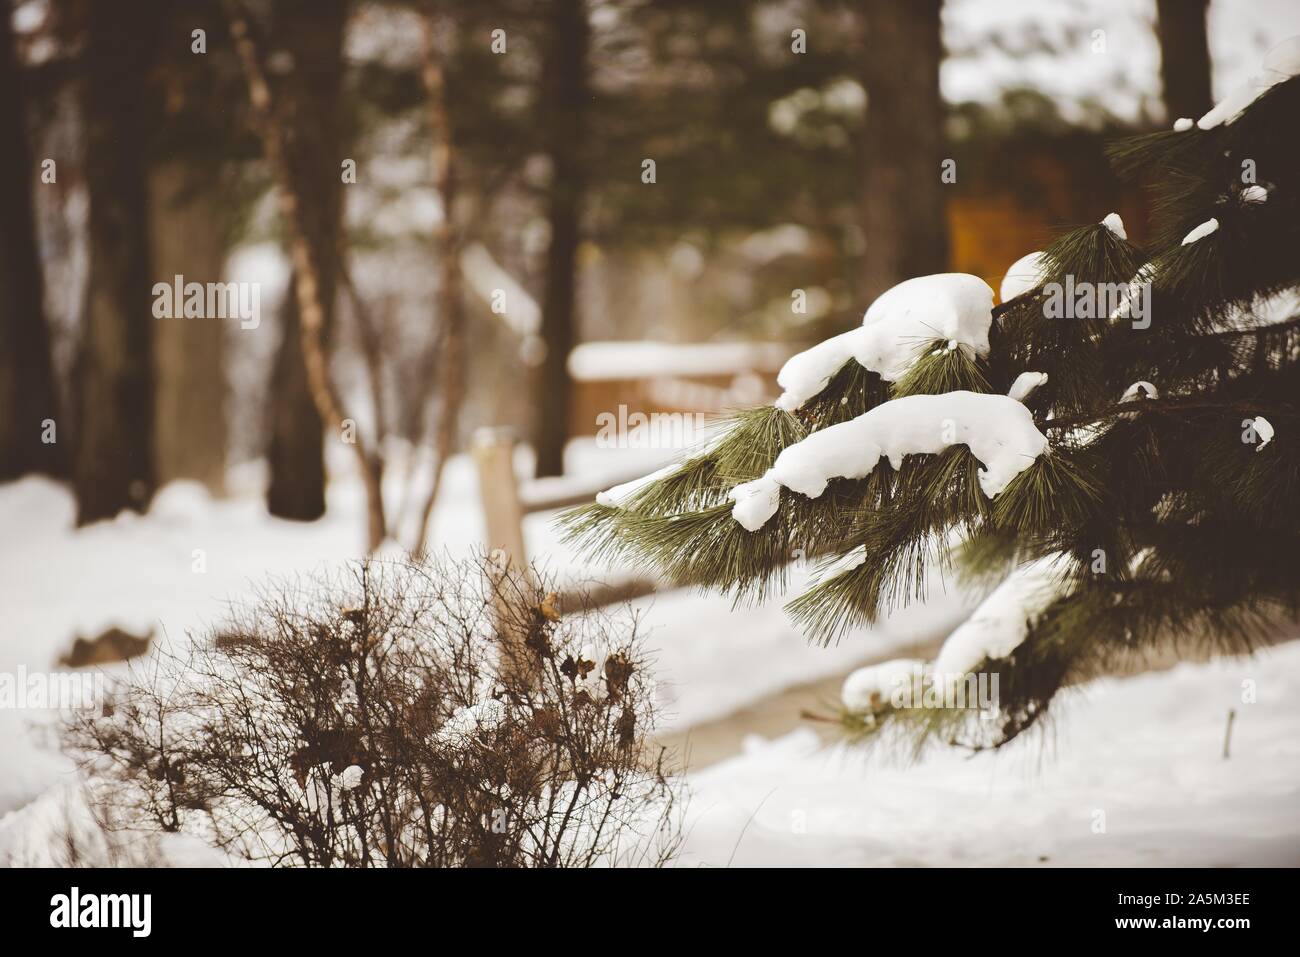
x=1201, y=231
x=1146, y=752
x=1022, y=275
x=895, y=331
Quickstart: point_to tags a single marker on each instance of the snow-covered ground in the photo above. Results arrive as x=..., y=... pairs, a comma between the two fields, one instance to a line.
x=142, y=573
x=1145, y=751
x=1131, y=774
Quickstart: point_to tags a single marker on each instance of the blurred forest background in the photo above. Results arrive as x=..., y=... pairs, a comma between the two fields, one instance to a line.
x=452, y=209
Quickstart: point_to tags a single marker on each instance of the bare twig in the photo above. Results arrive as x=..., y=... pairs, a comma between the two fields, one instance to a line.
x=447, y=362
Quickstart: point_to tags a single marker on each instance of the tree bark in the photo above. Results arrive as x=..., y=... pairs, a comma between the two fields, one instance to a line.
x=189, y=239
x=114, y=467
x=313, y=36
x=1184, y=57
x=28, y=394
x=904, y=215
x=563, y=112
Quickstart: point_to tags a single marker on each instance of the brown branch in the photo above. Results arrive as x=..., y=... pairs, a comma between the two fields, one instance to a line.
x=1169, y=406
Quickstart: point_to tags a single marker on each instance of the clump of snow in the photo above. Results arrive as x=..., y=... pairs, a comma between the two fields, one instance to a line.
x=867, y=688
x=807, y=373
x=998, y=626
x=1183, y=124
x=1280, y=63
x=1023, y=275
x=1254, y=194
x=1264, y=429
x=853, y=558
x=473, y=719
x=894, y=333
x=756, y=501
x=1140, y=390
x=998, y=430
x=350, y=779
x=1002, y=621
x=619, y=495
x=1115, y=225
x=1201, y=231
x=1026, y=383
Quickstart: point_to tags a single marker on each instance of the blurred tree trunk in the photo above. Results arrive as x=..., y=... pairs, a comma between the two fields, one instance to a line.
x=1184, y=57
x=297, y=452
x=27, y=389
x=311, y=32
x=113, y=467
x=563, y=108
x=903, y=204
x=189, y=239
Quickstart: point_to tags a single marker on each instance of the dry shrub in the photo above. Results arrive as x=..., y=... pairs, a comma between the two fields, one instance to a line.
x=397, y=715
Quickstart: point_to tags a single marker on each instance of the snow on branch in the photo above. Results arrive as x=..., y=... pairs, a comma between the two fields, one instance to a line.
x=1280, y=63
x=895, y=331
x=998, y=430
x=998, y=626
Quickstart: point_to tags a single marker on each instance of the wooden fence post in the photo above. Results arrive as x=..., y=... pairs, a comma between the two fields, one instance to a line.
x=503, y=515
x=503, y=518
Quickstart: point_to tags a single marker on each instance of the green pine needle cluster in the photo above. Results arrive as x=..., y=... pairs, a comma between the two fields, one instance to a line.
x=1173, y=521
